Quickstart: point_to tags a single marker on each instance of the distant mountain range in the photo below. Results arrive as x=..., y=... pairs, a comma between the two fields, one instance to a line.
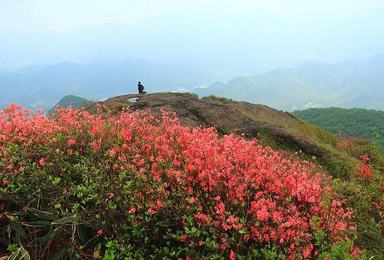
x=44, y=86
x=346, y=84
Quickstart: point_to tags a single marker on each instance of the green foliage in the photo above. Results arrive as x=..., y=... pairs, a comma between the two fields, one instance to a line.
x=18, y=253
x=364, y=197
x=362, y=123
x=220, y=99
x=72, y=101
x=339, y=163
x=193, y=95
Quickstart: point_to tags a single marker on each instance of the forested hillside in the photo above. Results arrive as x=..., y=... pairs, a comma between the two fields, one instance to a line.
x=361, y=123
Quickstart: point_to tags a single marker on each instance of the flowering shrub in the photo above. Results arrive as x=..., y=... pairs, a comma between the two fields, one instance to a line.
x=364, y=169
x=135, y=186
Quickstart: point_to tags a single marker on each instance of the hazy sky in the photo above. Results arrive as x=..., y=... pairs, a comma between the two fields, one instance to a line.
x=69, y=14
x=248, y=35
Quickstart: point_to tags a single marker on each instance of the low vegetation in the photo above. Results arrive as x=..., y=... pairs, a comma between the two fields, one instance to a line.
x=220, y=99
x=338, y=156
x=133, y=186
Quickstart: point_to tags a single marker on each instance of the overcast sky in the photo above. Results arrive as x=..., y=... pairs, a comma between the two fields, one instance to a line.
x=248, y=34
x=69, y=14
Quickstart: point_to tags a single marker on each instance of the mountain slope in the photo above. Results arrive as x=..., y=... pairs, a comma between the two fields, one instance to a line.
x=285, y=132
x=129, y=185
x=103, y=161
x=275, y=128
x=346, y=84
x=361, y=123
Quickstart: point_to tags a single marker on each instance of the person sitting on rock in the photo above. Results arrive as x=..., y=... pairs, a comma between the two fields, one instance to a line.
x=141, y=88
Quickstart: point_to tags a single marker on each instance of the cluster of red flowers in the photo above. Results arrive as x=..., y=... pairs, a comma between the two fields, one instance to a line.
x=347, y=143
x=230, y=186
x=364, y=168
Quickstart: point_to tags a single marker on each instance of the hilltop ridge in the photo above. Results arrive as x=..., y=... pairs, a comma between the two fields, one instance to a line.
x=275, y=128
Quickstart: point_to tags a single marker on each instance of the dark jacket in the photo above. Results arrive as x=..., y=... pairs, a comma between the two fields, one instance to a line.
x=140, y=88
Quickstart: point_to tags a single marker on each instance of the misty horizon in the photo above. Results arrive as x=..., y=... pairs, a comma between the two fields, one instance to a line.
x=247, y=37
x=238, y=49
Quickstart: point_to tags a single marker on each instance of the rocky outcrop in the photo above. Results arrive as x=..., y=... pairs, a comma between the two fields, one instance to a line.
x=226, y=116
